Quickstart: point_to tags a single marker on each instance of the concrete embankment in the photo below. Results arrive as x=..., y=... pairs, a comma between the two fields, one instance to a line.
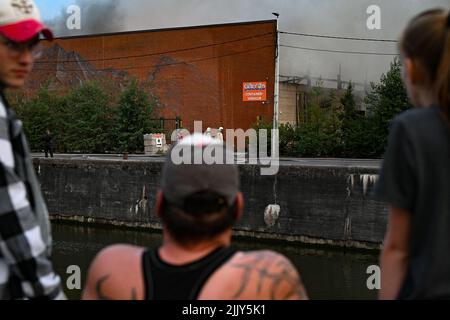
x=320, y=204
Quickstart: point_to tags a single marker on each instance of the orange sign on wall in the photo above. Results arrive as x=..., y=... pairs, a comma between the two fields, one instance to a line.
x=254, y=91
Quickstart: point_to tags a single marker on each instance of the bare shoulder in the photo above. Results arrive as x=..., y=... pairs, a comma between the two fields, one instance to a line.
x=262, y=274
x=115, y=273
x=260, y=256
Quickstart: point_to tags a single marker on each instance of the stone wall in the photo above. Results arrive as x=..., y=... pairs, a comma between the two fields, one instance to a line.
x=318, y=204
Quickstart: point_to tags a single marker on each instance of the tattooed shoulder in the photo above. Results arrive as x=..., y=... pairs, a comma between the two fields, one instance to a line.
x=100, y=289
x=267, y=274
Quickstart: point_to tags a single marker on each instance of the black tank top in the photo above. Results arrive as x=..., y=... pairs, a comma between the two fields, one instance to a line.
x=164, y=281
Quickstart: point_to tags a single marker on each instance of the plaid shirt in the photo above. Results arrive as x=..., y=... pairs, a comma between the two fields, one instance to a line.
x=25, y=269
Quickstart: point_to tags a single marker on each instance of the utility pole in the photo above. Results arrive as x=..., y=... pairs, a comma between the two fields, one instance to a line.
x=339, y=78
x=276, y=91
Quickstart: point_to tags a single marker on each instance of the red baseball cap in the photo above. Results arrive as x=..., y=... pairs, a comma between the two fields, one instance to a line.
x=20, y=21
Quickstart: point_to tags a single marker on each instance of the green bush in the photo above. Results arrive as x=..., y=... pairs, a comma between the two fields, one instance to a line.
x=133, y=118
x=89, y=118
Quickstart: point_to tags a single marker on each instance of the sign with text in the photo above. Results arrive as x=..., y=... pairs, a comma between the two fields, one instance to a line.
x=254, y=91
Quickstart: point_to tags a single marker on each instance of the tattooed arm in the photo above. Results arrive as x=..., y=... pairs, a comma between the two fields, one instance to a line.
x=115, y=274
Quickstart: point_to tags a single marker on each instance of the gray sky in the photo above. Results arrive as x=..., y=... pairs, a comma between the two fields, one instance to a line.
x=326, y=17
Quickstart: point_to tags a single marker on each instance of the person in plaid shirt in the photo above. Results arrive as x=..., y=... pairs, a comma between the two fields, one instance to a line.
x=26, y=271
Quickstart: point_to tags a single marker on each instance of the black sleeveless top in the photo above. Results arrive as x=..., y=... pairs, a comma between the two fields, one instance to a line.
x=165, y=281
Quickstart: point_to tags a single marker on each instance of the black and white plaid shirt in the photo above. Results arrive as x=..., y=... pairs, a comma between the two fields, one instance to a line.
x=25, y=269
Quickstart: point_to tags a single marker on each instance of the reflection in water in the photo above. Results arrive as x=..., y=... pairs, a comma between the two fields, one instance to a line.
x=327, y=274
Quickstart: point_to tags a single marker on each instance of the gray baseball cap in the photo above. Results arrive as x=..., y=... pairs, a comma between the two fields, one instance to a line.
x=182, y=176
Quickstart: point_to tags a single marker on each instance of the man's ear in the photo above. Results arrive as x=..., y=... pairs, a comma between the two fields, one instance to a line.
x=239, y=206
x=159, y=203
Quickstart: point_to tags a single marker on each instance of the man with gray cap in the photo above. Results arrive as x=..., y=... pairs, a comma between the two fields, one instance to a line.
x=198, y=203
x=26, y=271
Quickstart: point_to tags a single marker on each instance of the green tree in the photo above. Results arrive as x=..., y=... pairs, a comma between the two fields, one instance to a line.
x=93, y=117
x=387, y=99
x=134, y=114
x=352, y=130
x=86, y=118
x=348, y=102
x=36, y=114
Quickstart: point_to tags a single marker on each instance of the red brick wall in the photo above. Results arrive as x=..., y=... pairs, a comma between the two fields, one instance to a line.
x=199, y=84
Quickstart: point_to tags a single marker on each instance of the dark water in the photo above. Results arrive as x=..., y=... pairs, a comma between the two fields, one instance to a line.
x=327, y=274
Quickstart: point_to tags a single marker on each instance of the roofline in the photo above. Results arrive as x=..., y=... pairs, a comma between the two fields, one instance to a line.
x=168, y=29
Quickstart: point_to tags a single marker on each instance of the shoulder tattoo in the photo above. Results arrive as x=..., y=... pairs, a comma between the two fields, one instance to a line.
x=272, y=271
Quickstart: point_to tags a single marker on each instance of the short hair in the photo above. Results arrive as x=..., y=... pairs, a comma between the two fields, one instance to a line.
x=204, y=215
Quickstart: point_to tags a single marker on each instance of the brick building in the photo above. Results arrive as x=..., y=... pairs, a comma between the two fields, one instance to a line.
x=197, y=73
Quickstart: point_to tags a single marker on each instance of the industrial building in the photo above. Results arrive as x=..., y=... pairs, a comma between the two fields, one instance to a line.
x=222, y=75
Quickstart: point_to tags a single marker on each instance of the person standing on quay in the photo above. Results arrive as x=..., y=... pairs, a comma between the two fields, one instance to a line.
x=48, y=143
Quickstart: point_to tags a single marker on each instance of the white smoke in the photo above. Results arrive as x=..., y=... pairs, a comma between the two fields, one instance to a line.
x=326, y=17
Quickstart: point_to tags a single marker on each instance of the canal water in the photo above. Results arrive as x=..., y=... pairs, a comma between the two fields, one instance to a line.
x=326, y=273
